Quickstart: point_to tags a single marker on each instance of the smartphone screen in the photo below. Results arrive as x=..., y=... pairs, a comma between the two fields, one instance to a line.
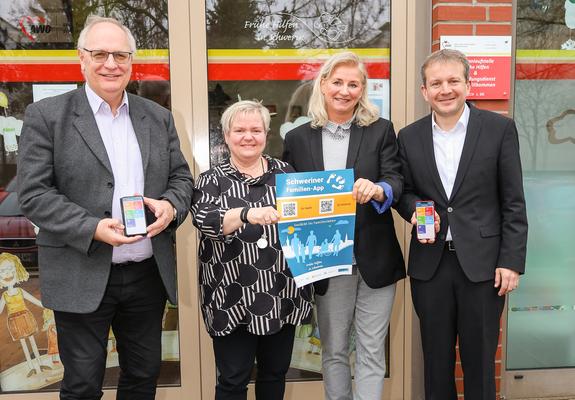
x=133, y=215
x=425, y=215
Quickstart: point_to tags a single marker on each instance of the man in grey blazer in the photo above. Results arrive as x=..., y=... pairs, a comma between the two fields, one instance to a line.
x=80, y=152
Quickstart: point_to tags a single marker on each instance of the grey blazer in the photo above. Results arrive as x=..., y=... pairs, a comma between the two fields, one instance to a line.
x=65, y=186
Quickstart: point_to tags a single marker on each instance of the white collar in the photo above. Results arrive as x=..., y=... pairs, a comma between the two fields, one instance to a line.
x=461, y=122
x=96, y=101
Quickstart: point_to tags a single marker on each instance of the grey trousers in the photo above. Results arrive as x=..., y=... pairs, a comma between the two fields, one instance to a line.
x=350, y=302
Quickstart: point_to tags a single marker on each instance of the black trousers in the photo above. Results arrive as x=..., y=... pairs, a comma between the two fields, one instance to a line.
x=450, y=306
x=235, y=354
x=133, y=305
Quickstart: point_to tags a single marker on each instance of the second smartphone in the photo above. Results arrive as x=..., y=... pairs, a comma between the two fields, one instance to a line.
x=425, y=215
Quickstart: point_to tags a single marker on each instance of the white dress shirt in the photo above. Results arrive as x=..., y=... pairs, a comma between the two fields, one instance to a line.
x=124, y=154
x=447, y=146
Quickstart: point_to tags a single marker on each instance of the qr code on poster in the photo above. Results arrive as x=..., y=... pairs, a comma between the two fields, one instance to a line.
x=326, y=206
x=289, y=209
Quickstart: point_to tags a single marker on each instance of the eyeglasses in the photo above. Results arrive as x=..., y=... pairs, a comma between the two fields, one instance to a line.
x=101, y=56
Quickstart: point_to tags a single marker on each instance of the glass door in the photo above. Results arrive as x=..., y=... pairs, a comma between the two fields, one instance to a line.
x=38, y=59
x=540, y=342
x=270, y=51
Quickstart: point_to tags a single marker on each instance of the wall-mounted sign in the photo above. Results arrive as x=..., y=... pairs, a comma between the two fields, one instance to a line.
x=490, y=63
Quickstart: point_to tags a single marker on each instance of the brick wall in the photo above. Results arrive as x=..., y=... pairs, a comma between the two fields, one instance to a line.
x=474, y=17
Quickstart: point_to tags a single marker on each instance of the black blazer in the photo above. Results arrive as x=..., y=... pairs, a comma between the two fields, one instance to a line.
x=486, y=211
x=372, y=154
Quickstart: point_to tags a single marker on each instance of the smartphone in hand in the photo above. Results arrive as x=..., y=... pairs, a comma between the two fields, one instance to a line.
x=425, y=216
x=133, y=215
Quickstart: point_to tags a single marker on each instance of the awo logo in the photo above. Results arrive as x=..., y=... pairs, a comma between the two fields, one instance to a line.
x=31, y=26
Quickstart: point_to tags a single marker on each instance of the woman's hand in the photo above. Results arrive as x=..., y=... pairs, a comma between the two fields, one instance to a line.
x=365, y=190
x=263, y=215
x=260, y=216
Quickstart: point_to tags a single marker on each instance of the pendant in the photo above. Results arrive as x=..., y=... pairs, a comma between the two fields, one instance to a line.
x=262, y=242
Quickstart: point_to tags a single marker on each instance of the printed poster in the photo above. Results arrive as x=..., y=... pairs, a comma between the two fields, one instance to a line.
x=489, y=61
x=378, y=93
x=317, y=222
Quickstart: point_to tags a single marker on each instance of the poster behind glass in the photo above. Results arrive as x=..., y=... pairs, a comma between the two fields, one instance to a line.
x=541, y=314
x=38, y=59
x=271, y=50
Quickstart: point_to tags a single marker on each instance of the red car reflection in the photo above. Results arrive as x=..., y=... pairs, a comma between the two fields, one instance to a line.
x=17, y=234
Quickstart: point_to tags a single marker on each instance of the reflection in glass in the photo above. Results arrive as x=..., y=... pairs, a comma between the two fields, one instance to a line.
x=267, y=50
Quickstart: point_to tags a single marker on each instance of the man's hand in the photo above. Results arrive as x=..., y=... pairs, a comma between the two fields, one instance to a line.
x=111, y=231
x=364, y=190
x=436, y=225
x=506, y=280
x=164, y=212
x=263, y=215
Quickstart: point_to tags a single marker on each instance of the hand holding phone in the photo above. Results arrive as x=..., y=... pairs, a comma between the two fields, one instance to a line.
x=133, y=215
x=425, y=217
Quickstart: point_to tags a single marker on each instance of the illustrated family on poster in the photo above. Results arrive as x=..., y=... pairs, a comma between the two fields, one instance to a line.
x=311, y=248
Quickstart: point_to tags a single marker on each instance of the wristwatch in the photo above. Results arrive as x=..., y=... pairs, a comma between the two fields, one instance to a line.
x=175, y=214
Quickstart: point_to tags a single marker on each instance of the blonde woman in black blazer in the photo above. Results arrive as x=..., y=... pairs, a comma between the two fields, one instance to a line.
x=346, y=132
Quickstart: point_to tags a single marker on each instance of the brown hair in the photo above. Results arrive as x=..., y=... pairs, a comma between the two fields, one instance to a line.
x=443, y=56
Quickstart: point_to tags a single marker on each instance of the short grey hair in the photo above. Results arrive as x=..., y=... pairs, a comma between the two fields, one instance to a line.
x=244, y=107
x=96, y=19
x=365, y=112
x=443, y=56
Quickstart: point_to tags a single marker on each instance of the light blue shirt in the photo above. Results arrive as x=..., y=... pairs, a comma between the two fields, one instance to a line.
x=125, y=158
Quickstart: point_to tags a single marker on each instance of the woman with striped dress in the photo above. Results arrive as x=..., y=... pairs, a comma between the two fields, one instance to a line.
x=249, y=300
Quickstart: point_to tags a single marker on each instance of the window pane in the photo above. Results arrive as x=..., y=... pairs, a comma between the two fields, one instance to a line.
x=37, y=59
x=541, y=318
x=271, y=50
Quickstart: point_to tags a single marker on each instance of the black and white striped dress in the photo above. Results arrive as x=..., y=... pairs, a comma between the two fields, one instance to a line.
x=239, y=282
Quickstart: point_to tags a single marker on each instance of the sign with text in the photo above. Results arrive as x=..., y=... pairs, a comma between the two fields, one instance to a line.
x=490, y=64
x=317, y=223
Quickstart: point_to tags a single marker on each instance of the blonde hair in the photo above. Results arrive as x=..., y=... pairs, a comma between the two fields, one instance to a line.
x=365, y=113
x=244, y=107
x=96, y=19
x=21, y=274
x=444, y=56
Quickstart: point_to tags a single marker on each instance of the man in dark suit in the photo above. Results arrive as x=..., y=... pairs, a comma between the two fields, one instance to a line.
x=466, y=160
x=80, y=152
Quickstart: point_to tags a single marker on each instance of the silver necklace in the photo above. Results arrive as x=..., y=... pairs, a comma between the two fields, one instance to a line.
x=262, y=242
x=245, y=174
